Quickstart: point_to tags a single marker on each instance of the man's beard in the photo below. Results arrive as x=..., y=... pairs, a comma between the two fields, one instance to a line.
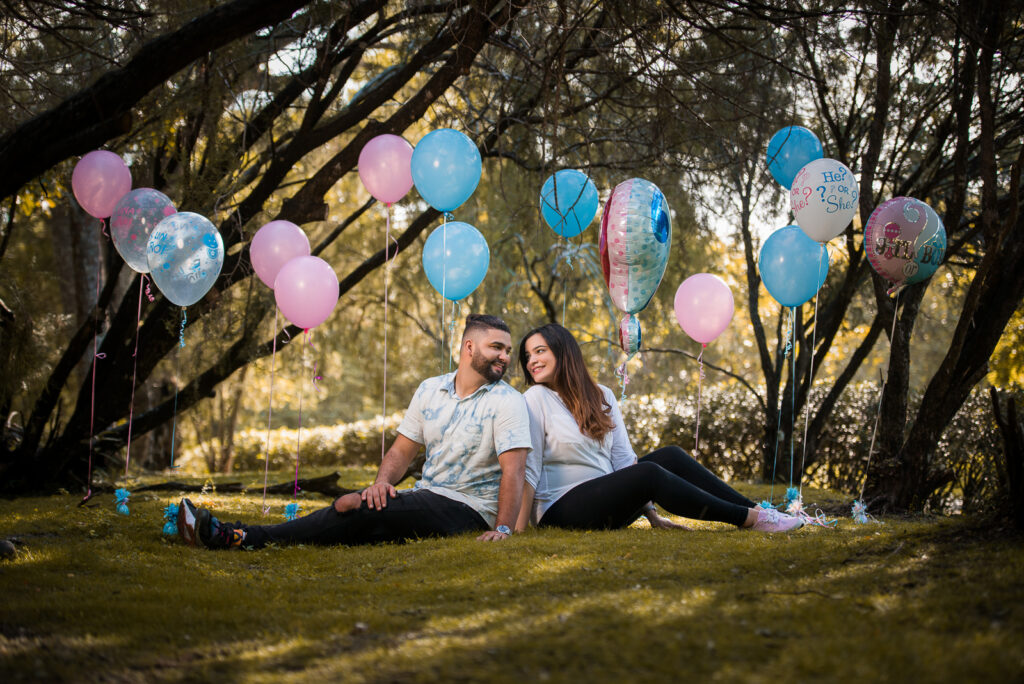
x=485, y=367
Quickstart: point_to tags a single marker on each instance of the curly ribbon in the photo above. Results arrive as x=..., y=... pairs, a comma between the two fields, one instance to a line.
x=170, y=520
x=135, y=366
x=270, y=407
x=623, y=373
x=700, y=383
x=788, y=330
x=121, y=498
x=181, y=333
x=95, y=356
x=149, y=293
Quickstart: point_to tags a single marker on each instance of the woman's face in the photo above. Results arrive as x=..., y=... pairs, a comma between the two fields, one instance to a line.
x=540, y=361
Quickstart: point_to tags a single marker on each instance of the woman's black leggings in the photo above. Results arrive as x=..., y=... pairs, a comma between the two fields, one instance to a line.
x=669, y=477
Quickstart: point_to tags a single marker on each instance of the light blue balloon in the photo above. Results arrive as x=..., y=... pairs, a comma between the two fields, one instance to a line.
x=185, y=255
x=568, y=202
x=793, y=266
x=455, y=259
x=789, y=150
x=445, y=168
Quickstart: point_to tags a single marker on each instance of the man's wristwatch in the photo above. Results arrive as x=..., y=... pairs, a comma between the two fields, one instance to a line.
x=504, y=529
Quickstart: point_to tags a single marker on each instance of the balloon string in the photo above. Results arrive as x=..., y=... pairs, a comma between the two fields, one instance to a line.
x=623, y=373
x=456, y=310
x=810, y=384
x=792, y=412
x=700, y=382
x=881, y=395
x=387, y=271
x=95, y=356
x=444, y=284
x=298, y=433
x=174, y=417
x=778, y=425
x=135, y=366
x=270, y=408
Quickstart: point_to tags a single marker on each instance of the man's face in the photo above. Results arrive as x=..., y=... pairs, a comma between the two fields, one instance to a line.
x=491, y=350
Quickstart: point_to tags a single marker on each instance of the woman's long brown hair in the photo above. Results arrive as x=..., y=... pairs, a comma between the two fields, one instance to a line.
x=572, y=380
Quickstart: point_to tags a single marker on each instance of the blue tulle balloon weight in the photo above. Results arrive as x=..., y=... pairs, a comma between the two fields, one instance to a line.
x=185, y=256
x=455, y=259
x=793, y=266
x=568, y=202
x=445, y=168
x=789, y=150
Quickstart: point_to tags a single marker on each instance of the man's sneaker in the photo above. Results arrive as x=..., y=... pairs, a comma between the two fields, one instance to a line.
x=187, y=514
x=772, y=520
x=216, y=534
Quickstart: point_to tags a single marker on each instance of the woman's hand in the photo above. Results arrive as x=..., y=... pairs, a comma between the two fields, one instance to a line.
x=659, y=521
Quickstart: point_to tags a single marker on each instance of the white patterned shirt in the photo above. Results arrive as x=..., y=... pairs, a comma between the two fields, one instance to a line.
x=564, y=457
x=463, y=438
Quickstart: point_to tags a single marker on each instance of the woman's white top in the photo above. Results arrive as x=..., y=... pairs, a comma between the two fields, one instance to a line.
x=562, y=456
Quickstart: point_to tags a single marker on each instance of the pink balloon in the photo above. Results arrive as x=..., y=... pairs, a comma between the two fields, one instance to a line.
x=99, y=180
x=384, y=167
x=306, y=291
x=273, y=246
x=704, y=306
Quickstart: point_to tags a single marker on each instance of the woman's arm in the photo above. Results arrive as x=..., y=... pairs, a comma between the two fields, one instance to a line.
x=526, y=510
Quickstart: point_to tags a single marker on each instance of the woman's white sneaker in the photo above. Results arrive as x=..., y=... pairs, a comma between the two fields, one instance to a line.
x=771, y=520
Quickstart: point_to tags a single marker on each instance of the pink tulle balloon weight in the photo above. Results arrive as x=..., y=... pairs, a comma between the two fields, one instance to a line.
x=99, y=180
x=704, y=307
x=384, y=167
x=306, y=291
x=273, y=246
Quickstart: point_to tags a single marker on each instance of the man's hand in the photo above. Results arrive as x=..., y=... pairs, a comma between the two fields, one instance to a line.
x=492, y=535
x=376, y=495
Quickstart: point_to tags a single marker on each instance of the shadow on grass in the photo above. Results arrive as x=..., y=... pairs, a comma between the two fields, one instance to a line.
x=95, y=596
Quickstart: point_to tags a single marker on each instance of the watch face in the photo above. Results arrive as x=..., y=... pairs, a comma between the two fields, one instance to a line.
x=504, y=529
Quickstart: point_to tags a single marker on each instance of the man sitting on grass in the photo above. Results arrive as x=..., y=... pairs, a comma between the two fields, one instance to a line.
x=476, y=431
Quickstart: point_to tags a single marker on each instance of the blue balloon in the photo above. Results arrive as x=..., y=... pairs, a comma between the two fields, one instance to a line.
x=793, y=266
x=185, y=255
x=455, y=259
x=445, y=168
x=789, y=150
x=568, y=202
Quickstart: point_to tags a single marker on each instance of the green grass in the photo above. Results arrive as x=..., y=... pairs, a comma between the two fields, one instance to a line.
x=94, y=596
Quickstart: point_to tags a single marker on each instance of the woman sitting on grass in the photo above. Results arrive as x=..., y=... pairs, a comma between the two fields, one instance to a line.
x=589, y=477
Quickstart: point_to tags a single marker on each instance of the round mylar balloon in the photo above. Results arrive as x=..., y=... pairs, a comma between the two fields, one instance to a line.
x=306, y=291
x=568, y=202
x=789, y=150
x=185, y=256
x=384, y=167
x=792, y=265
x=273, y=246
x=100, y=179
x=905, y=241
x=132, y=222
x=455, y=259
x=824, y=198
x=704, y=306
x=636, y=233
x=445, y=168
x=630, y=336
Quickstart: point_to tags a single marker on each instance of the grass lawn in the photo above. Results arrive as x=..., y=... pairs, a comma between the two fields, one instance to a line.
x=96, y=596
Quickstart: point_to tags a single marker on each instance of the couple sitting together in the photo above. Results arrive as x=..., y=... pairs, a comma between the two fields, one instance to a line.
x=498, y=460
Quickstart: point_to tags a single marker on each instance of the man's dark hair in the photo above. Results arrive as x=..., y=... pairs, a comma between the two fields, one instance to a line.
x=484, y=322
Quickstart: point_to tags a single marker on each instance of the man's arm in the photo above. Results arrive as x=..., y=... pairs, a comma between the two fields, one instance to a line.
x=392, y=467
x=510, y=493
